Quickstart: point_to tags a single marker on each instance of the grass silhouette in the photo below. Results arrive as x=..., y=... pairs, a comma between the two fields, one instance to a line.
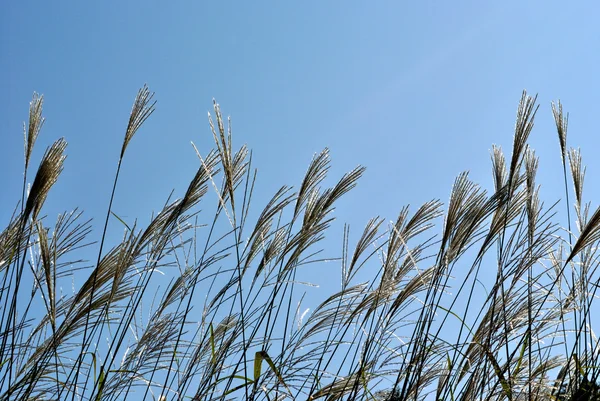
x=229, y=324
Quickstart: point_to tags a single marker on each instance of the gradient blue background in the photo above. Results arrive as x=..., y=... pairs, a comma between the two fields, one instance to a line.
x=415, y=91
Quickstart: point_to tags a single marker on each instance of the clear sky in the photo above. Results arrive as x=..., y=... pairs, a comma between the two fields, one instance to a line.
x=415, y=91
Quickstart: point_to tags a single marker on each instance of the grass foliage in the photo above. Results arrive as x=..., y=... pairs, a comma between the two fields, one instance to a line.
x=485, y=298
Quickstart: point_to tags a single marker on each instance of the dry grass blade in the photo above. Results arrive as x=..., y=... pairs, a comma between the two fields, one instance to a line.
x=589, y=234
x=70, y=234
x=272, y=250
x=176, y=291
x=368, y=236
x=317, y=171
x=531, y=166
x=344, y=385
x=504, y=217
x=578, y=175
x=12, y=243
x=420, y=282
x=421, y=220
x=263, y=225
x=49, y=266
x=467, y=210
x=461, y=190
x=562, y=123
x=141, y=110
x=322, y=205
x=326, y=313
x=523, y=126
x=223, y=142
x=196, y=190
x=128, y=253
x=315, y=221
x=35, y=125
x=111, y=267
x=238, y=169
x=50, y=168
x=498, y=167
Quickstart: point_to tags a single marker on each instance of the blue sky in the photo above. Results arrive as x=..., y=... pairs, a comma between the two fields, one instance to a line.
x=415, y=91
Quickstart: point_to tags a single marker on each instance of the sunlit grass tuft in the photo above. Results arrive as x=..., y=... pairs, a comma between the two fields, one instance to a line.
x=487, y=298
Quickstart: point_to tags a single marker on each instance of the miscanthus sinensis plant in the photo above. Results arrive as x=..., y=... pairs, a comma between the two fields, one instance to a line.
x=484, y=298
